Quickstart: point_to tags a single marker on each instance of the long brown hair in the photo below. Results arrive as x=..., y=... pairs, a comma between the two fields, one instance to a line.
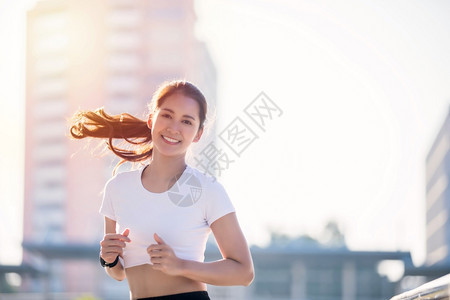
x=133, y=131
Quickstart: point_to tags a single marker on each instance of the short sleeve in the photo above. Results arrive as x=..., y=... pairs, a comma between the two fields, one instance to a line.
x=218, y=203
x=107, y=208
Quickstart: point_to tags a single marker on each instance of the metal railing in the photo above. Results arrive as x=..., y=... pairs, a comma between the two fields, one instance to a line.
x=436, y=289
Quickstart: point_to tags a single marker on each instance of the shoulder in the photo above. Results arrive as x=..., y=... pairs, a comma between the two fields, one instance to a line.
x=209, y=184
x=123, y=178
x=215, y=200
x=204, y=179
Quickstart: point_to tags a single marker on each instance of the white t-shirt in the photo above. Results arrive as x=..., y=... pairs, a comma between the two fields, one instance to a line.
x=181, y=216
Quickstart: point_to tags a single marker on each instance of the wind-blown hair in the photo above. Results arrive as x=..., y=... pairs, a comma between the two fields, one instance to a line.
x=133, y=131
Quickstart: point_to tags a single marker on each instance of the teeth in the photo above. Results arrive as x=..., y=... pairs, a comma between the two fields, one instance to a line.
x=170, y=140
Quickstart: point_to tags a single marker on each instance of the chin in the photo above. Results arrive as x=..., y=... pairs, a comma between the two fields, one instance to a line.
x=170, y=152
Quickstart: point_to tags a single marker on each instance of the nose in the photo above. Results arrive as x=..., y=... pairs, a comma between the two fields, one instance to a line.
x=173, y=128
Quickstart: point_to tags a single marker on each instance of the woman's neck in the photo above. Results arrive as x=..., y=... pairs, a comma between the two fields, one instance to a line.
x=165, y=168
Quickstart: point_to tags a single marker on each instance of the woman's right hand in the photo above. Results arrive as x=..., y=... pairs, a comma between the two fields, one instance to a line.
x=113, y=244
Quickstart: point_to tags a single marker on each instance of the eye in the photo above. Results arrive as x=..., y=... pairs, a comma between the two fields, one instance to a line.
x=187, y=122
x=166, y=116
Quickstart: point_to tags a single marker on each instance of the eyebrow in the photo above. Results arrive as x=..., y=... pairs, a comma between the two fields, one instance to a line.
x=185, y=116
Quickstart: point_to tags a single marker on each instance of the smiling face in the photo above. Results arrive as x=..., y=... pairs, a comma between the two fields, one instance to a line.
x=175, y=125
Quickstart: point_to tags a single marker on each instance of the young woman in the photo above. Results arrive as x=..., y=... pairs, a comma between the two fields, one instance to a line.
x=158, y=218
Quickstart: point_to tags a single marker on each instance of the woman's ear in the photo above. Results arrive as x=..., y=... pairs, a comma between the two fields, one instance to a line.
x=198, y=135
x=150, y=121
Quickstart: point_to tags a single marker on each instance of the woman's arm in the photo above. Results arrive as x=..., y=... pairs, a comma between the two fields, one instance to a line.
x=111, y=246
x=236, y=267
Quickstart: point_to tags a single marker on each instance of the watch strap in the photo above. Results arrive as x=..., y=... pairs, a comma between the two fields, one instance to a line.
x=109, y=265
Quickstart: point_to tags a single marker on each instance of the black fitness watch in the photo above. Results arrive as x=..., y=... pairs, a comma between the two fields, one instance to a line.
x=108, y=265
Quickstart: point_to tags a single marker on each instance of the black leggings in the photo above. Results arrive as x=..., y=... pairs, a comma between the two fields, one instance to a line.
x=198, y=295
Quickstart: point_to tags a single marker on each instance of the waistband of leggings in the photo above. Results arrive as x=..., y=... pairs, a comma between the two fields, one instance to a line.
x=196, y=295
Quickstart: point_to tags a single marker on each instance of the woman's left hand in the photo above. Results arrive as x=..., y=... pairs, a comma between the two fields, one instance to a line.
x=163, y=257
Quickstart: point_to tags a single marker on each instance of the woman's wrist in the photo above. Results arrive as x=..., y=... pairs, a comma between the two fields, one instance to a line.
x=184, y=267
x=105, y=264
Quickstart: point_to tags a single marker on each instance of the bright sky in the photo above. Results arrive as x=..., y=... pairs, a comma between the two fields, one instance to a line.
x=12, y=100
x=364, y=88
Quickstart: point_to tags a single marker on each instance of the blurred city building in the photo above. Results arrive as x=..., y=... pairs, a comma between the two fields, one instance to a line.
x=302, y=268
x=84, y=54
x=437, y=263
x=438, y=198
x=286, y=269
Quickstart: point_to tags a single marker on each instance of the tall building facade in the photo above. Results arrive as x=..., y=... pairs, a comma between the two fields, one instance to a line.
x=84, y=54
x=438, y=198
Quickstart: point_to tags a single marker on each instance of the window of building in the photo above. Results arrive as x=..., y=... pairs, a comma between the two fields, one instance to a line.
x=273, y=282
x=50, y=130
x=44, y=174
x=436, y=190
x=51, y=87
x=368, y=283
x=124, y=40
x=122, y=84
x=176, y=11
x=51, y=44
x=53, y=66
x=49, y=223
x=123, y=62
x=124, y=18
x=50, y=22
x=50, y=110
x=124, y=3
x=128, y=104
x=168, y=35
x=324, y=281
x=49, y=195
x=436, y=157
x=172, y=59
